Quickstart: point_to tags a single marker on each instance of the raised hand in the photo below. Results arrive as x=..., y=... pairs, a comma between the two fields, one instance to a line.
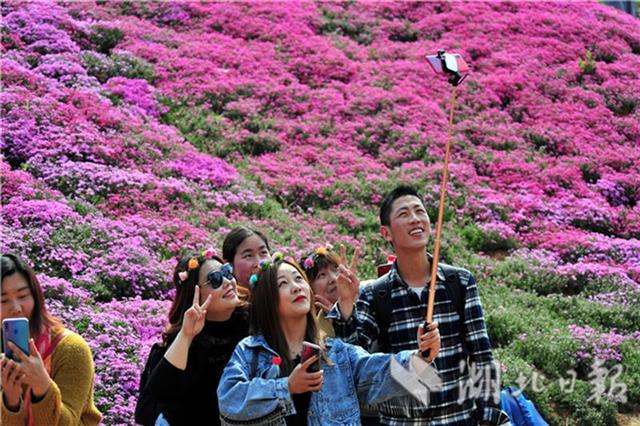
x=348, y=290
x=32, y=369
x=353, y=265
x=322, y=303
x=193, y=319
x=301, y=381
x=429, y=341
x=11, y=382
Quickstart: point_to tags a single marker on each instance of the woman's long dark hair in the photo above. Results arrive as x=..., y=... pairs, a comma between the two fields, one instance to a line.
x=40, y=317
x=265, y=299
x=185, y=291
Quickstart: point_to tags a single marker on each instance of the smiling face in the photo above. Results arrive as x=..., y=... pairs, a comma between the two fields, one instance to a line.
x=248, y=255
x=325, y=282
x=224, y=299
x=17, y=298
x=294, y=293
x=409, y=224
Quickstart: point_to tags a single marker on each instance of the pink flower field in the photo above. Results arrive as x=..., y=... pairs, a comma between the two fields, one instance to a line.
x=133, y=130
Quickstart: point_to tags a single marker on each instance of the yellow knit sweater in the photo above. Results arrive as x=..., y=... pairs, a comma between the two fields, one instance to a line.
x=69, y=400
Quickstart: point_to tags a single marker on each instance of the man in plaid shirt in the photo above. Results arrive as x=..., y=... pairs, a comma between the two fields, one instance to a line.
x=467, y=396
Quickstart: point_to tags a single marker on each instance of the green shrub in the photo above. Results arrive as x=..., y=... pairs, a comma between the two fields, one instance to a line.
x=126, y=65
x=105, y=38
x=340, y=23
x=581, y=311
x=578, y=410
x=486, y=241
x=259, y=143
x=588, y=64
x=552, y=352
x=201, y=127
x=630, y=350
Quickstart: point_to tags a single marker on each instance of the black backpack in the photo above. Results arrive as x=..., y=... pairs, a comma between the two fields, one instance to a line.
x=147, y=409
x=381, y=306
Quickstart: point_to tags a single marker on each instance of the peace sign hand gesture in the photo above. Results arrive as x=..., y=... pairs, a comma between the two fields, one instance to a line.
x=354, y=260
x=193, y=319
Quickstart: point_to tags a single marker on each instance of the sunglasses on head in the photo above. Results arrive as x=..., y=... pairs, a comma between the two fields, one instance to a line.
x=216, y=278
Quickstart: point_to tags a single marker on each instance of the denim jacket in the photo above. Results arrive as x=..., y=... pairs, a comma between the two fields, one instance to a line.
x=356, y=377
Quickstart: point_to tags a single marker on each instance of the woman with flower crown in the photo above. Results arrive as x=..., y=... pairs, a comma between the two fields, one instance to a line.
x=323, y=268
x=207, y=319
x=265, y=381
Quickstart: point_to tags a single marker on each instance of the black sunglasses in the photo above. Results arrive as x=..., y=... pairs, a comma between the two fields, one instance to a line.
x=215, y=278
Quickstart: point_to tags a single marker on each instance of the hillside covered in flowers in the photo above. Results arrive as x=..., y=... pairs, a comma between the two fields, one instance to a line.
x=133, y=130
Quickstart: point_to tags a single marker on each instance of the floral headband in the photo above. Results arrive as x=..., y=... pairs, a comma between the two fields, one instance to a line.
x=194, y=263
x=310, y=261
x=265, y=263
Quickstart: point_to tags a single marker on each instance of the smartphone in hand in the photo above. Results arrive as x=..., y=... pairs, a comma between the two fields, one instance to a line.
x=309, y=350
x=15, y=330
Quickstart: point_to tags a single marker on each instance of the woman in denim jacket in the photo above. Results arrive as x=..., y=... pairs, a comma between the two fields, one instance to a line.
x=265, y=383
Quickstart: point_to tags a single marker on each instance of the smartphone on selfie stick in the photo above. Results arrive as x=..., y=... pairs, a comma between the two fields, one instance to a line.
x=309, y=350
x=16, y=331
x=449, y=63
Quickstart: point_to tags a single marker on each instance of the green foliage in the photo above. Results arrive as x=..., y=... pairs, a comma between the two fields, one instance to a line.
x=581, y=311
x=82, y=324
x=552, y=352
x=341, y=24
x=259, y=143
x=630, y=350
x=105, y=38
x=487, y=241
x=588, y=64
x=201, y=127
x=590, y=173
x=579, y=410
x=408, y=33
x=125, y=65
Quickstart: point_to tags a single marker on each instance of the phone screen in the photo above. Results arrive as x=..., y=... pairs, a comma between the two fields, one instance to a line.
x=309, y=350
x=435, y=63
x=15, y=330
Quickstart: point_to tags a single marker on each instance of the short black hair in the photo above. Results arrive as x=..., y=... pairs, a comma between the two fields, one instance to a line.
x=387, y=201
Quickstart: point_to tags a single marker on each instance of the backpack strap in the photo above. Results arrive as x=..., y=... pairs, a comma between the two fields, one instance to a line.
x=381, y=307
x=456, y=293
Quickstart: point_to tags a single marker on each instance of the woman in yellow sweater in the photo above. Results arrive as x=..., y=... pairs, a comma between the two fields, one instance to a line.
x=54, y=384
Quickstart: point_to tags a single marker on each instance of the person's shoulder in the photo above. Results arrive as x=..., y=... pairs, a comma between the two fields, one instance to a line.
x=69, y=338
x=376, y=284
x=71, y=345
x=334, y=344
x=464, y=274
x=252, y=341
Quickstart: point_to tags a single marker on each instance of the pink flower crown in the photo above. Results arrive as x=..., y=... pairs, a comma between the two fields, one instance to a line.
x=265, y=263
x=310, y=261
x=194, y=263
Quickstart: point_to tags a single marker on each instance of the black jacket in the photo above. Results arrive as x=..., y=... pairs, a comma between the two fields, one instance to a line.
x=189, y=397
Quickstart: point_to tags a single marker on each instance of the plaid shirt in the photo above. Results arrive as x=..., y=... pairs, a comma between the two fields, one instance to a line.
x=453, y=361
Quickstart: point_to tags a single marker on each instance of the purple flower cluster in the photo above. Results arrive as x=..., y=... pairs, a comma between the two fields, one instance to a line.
x=593, y=344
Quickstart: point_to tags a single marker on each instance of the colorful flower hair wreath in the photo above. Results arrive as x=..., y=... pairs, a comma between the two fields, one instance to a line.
x=195, y=263
x=310, y=261
x=264, y=264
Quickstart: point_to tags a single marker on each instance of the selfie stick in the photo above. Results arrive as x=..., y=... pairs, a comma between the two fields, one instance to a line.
x=455, y=79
